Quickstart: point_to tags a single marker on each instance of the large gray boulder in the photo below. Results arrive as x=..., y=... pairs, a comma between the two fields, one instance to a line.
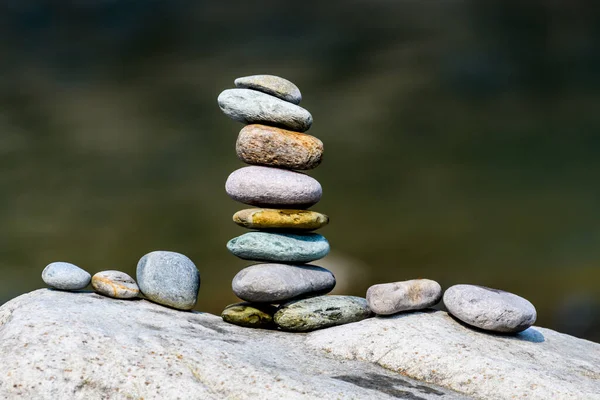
x=56, y=345
x=65, y=345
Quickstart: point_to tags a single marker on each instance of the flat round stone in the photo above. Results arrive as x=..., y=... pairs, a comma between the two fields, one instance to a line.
x=269, y=218
x=253, y=107
x=279, y=247
x=489, y=309
x=321, y=312
x=65, y=276
x=169, y=278
x=276, y=147
x=250, y=315
x=272, y=85
x=275, y=283
x=273, y=188
x=115, y=284
x=391, y=298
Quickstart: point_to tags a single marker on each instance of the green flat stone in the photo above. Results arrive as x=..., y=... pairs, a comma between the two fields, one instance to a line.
x=250, y=315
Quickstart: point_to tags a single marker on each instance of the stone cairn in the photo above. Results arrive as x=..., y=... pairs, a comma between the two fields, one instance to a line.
x=282, y=291
x=276, y=147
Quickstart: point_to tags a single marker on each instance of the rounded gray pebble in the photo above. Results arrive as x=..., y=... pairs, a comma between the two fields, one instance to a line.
x=169, y=278
x=65, y=276
x=272, y=85
x=115, y=284
x=279, y=247
x=490, y=309
x=321, y=312
x=273, y=188
x=275, y=283
x=253, y=107
x=391, y=298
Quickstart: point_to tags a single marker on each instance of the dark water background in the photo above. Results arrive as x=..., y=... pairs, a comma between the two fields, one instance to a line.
x=462, y=139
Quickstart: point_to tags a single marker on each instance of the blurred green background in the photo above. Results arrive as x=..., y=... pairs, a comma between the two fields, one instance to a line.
x=462, y=139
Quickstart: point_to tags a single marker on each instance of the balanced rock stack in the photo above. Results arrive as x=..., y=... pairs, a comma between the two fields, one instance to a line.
x=274, y=145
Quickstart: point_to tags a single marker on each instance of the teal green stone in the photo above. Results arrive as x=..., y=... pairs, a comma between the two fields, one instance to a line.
x=321, y=312
x=279, y=247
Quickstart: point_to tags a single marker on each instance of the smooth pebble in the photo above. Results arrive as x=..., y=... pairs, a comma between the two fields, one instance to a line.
x=391, y=298
x=279, y=247
x=250, y=315
x=65, y=276
x=115, y=284
x=268, y=218
x=273, y=85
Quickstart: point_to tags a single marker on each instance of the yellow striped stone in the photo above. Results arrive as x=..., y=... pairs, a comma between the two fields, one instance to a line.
x=268, y=218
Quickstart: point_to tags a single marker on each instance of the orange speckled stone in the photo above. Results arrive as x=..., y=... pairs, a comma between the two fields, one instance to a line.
x=276, y=147
x=268, y=218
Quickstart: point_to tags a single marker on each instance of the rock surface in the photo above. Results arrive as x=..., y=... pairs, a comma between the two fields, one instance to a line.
x=268, y=218
x=115, y=284
x=391, y=298
x=279, y=247
x=274, y=283
x=489, y=309
x=431, y=346
x=63, y=345
x=275, y=147
x=252, y=107
x=250, y=315
x=273, y=188
x=321, y=312
x=272, y=85
x=169, y=278
x=65, y=276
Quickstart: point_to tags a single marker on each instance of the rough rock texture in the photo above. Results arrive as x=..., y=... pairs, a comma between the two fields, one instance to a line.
x=274, y=283
x=273, y=188
x=169, y=278
x=321, y=312
x=268, y=218
x=279, y=247
x=115, y=284
x=433, y=347
x=490, y=309
x=63, y=345
x=275, y=147
x=252, y=107
x=65, y=276
x=250, y=315
x=272, y=85
x=391, y=298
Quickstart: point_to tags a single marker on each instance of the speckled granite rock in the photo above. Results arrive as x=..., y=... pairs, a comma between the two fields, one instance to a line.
x=279, y=247
x=65, y=276
x=275, y=283
x=253, y=107
x=321, y=312
x=272, y=85
x=391, y=298
x=169, y=278
x=115, y=284
x=273, y=188
x=489, y=309
x=250, y=315
x=81, y=346
x=275, y=147
x=280, y=219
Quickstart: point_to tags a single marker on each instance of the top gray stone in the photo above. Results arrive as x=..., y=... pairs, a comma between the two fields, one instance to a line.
x=65, y=276
x=489, y=309
x=253, y=107
x=272, y=85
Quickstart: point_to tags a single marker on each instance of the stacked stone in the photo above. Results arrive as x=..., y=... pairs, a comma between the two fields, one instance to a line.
x=276, y=147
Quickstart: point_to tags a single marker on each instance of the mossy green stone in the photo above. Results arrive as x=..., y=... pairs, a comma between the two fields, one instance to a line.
x=250, y=315
x=321, y=312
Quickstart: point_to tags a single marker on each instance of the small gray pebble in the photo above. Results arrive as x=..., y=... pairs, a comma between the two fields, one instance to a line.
x=65, y=276
x=275, y=283
x=391, y=298
x=115, y=284
x=272, y=85
x=253, y=107
x=489, y=309
x=169, y=278
x=279, y=247
x=321, y=312
x=273, y=188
